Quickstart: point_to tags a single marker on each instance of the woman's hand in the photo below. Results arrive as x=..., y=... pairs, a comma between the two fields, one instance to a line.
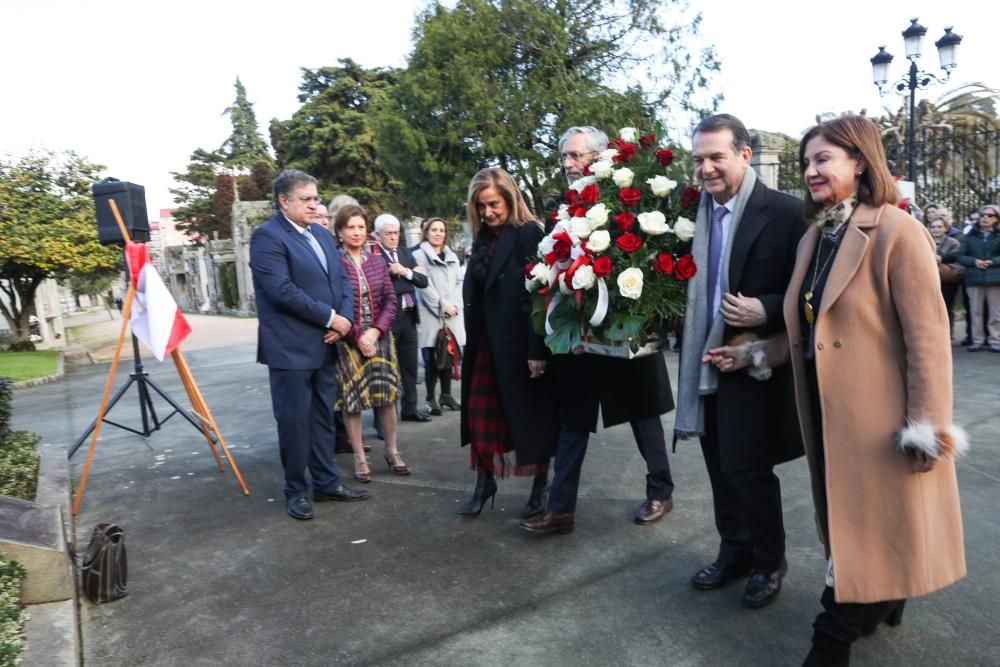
x=727, y=358
x=922, y=462
x=451, y=311
x=536, y=368
x=366, y=343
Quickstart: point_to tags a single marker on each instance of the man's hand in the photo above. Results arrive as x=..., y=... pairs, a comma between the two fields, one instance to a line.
x=419, y=269
x=536, y=368
x=398, y=269
x=741, y=311
x=341, y=325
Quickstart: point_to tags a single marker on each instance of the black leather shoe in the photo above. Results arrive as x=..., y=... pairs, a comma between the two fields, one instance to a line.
x=764, y=587
x=299, y=508
x=416, y=417
x=550, y=522
x=652, y=511
x=717, y=575
x=341, y=493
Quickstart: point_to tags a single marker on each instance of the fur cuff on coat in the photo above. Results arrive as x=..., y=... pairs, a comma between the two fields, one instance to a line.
x=921, y=436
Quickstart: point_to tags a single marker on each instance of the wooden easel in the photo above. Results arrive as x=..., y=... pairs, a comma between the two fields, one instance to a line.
x=200, y=410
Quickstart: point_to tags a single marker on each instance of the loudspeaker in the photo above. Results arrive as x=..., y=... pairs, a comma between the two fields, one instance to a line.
x=131, y=201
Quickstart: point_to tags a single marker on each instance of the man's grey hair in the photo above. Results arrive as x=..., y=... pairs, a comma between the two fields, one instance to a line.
x=339, y=202
x=596, y=140
x=725, y=121
x=385, y=220
x=289, y=180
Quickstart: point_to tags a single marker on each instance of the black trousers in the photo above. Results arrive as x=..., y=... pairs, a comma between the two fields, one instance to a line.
x=404, y=330
x=747, y=505
x=432, y=374
x=842, y=623
x=303, y=407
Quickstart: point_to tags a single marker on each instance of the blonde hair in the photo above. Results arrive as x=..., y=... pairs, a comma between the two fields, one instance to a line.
x=498, y=179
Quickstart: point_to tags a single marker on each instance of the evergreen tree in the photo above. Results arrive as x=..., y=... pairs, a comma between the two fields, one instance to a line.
x=245, y=146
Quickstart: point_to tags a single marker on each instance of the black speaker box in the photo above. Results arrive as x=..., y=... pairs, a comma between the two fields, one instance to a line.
x=131, y=201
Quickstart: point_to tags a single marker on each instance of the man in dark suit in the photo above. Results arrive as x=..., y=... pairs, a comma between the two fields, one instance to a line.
x=744, y=246
x=304, y=300
x=635, y=391
x=407, y=277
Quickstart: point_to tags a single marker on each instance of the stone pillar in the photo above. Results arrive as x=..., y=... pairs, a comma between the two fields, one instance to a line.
x=766, y=157
x=203, y=282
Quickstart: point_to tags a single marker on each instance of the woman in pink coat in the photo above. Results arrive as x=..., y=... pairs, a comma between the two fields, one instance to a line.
x=871, y=356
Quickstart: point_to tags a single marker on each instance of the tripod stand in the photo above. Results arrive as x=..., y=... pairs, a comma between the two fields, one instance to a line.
x=200, y=417
x=143, y=382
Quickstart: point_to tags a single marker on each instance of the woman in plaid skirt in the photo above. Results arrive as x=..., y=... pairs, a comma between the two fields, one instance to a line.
x=507, y=401
x=367, y=370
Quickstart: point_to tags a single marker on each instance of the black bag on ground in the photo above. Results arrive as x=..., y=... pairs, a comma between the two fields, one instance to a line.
x=104, y=571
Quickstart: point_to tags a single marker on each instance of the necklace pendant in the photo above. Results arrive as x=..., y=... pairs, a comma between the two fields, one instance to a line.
x=807, y=309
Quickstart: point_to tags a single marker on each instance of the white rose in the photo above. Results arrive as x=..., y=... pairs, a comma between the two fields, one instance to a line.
x=580, y=183
x=684, y=229
x=583, y=277
x=628, y=134
x=540, y=272
x=601, y=168
x=599, y=241
x=661, y=185
x=546, y=245
x=581, y=227
x=563, y=287
x=608, y=155
x=598, y=215
x=630, y=283
x=623, y=177
x=653, y=223
x=563, y=213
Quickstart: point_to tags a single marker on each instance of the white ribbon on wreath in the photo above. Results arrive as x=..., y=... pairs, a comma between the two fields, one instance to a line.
x=560, y=267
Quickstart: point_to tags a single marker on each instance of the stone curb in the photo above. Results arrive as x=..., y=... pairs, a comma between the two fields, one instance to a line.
x=53, y=631
x=34, y=382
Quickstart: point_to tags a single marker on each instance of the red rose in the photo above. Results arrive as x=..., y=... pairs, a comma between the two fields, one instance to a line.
x=626, y=153
x=629, y=243
x=629, y=197
x=624, y=220
x=685, y=268
x=529, y=268
x=602, y=266
x=590, y=194
x=689, y=197
x=648, y=140
x=577, y=211
x=569, y=198
x=664, y=263
x=664, y=157
x=553, y=215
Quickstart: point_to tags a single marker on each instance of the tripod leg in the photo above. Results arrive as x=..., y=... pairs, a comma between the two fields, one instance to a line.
x=201, y=426
x=126, y=310
x=199, y=404
x=107, y=410
x=145, y=400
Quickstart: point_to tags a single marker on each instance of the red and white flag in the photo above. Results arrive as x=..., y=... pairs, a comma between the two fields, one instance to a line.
x=156, y=320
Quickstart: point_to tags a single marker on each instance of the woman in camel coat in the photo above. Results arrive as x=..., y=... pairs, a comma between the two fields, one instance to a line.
x=871, y=357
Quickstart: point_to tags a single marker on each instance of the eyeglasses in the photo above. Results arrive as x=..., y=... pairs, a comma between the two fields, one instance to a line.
x=574, y=156
x=989, y=215
x=304, y=200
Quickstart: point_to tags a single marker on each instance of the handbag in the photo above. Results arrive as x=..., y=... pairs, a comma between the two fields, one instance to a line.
x=949, y=274
x=104, y=570
x=442, y=358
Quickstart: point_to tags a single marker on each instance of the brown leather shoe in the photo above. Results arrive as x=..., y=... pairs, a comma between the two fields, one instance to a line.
x=550, y=522
x=652, y=511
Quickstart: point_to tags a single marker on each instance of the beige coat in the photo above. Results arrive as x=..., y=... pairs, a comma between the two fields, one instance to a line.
x=883, y=361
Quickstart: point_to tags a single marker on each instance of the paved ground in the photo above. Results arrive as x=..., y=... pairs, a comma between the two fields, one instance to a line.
x=217, y=578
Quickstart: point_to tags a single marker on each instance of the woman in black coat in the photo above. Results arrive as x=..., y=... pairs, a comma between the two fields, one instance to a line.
x=507, y=401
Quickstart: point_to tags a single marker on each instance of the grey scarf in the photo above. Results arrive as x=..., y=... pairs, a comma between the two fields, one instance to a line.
x=697, y=379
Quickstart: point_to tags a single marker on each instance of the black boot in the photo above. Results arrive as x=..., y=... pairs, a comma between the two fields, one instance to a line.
x=536, y=501
x=486, y=489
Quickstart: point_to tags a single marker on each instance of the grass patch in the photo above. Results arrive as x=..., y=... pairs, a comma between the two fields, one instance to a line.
x=28, y=365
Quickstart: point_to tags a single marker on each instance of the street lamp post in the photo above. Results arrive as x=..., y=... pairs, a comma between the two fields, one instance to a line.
x=947, y=48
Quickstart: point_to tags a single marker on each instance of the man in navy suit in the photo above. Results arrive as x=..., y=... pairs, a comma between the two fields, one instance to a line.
x=304, y=302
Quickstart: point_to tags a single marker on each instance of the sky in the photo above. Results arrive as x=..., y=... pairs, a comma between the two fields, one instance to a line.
x=139, y=86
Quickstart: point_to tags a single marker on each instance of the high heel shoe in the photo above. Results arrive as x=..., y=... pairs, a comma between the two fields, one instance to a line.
x=486, y=489
x=536, y=501
x=448, y=401
x=362, y=475
x=396, y=464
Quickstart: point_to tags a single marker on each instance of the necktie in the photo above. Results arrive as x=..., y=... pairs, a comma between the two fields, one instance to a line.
x=317, y=248
x=392, y=256
x=714, y=258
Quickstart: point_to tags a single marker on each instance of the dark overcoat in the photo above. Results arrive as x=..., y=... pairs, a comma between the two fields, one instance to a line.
x=501, y=308
x=758, y=425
